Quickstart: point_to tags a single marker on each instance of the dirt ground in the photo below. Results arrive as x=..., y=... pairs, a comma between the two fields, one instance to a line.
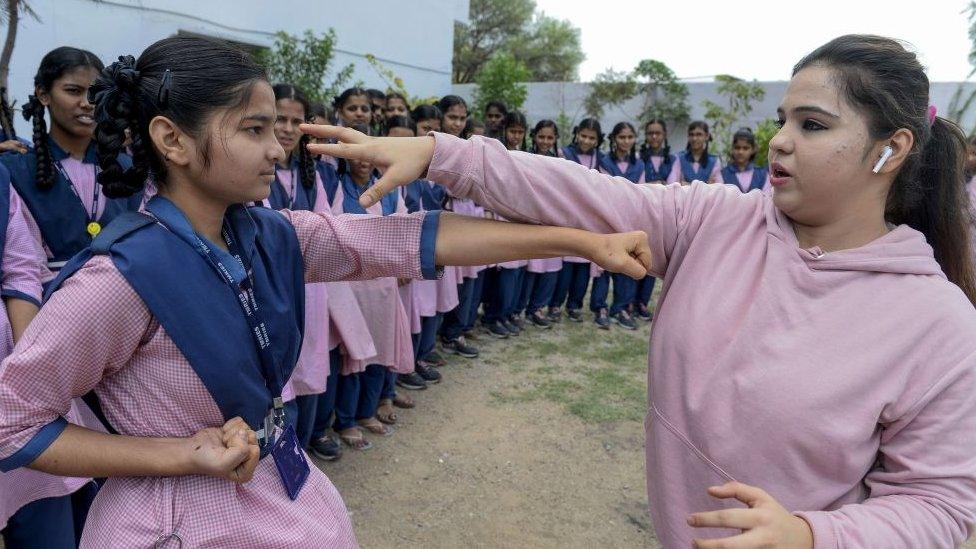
x=487, y=459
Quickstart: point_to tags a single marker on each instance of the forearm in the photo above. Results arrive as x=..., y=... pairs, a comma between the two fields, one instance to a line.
x=80, y=452
x=464, y=240
x=20, y=313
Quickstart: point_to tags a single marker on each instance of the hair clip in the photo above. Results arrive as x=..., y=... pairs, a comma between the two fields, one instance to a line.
x=164, y=88
x=932, y=112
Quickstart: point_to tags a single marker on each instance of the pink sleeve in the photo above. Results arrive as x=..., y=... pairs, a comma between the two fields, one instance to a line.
x=675, y=175
x=550, y=191
x=716, y=175
x=87, y=330
x=24, y=260
x=364, y=247
x=924, y=494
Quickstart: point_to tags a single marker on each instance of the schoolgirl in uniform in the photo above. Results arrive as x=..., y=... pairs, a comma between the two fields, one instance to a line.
x=574, y=279
x=541, y=275
x=659, y=162
x=455, y=328
x=396, y=105
x=55, y=180
x=825, y=396
x=36, y=509
x=185, y=332
x=495, y=112
x=504, y=284
x=695, y=163
x=621, y=161
x=741, y=172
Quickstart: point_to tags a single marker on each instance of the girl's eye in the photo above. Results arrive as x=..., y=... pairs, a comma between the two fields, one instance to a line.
x=813, y=125
x=256, y=130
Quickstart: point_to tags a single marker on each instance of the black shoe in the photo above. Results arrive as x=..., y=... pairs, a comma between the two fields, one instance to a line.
x=496, y=329
x=411, y=381
x=429, y=374
x=513, y=330
x=623, y=318
x=517, y=321
x=325, y=448
x=554, y=316
x=460, y=347
x=643, y=312
x=470, y=334
x=434, y=359
x=538, y=320
x=602, y=319
x=575, y=315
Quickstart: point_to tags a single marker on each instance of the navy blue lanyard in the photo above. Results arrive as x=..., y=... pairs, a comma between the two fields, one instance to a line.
x=94, y=211
x=235, y=272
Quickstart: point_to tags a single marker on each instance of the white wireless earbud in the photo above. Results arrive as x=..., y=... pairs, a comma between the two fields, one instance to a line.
x=885, y=155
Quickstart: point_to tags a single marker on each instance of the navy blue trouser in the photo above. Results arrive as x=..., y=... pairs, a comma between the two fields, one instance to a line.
x=47, y=523
x=571, y=286
x=542, y=289
x=645, y=288
x=455, y=319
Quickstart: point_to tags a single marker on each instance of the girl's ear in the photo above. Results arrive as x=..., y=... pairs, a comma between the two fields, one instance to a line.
x=172, y=143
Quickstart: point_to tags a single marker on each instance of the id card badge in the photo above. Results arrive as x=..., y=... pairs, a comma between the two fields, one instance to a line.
x=290, y=461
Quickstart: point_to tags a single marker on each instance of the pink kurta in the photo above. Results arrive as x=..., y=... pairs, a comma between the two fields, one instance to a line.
x=842, y=383
x=148, y=389
x=382, y=307
x=23, y=269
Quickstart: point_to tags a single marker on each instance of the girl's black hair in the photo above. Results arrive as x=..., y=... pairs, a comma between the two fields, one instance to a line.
x=340, y=100
x=886, y=82
x=746, y=135
x=646, y=151
x=425, y=112
x=619, y=127
x=318, y=110
x=342, y=167
x=449, y=101
x=546, y=123
x=395, y=95
x=306, y=162
x=183, y=78
x=589, y=124
x=400, y=122
x=376, y=94
x=498, y=105
x=53, y=66
x=469, y=127
x=513, y=119
x=699, y=125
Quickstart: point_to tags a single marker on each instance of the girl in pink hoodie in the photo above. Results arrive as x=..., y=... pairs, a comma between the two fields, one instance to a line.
x=824, y=395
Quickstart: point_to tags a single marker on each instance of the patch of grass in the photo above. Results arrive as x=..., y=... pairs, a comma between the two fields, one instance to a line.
x=597, y=376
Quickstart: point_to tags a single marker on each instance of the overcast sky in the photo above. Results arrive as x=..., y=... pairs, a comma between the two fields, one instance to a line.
x=757, y=39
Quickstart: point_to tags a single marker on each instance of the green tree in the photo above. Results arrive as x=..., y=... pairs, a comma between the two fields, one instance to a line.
x=664, y=96
x=964, y=99
x=739, y=95
x=501, y=80
x=610, y=88
x=764, y=132
x=550, y=48
x=307, y=63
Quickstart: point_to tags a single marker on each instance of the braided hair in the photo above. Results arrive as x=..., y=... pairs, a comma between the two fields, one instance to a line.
x=306, y=162
x=53, y=66
x=182, y=78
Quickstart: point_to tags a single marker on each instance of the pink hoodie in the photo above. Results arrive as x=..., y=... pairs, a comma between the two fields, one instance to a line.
x=844, y=384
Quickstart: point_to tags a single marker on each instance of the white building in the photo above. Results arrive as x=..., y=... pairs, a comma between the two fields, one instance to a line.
x=414, y=39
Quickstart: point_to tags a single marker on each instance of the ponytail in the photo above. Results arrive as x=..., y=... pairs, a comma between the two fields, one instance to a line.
x=116, y=111
x=940, y=210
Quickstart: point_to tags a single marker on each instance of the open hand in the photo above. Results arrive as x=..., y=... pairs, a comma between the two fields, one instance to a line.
x=626, y=253
x=401, y=159
x=765, y=523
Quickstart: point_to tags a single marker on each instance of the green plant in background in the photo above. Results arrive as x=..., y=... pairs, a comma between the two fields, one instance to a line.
x=501, y=80
x=722, y=118
x=664, y=96
x=964, y=98
x=394, y=84
x=307, y=63
x=565, y=125
x=764, y=131
x=610, y=88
